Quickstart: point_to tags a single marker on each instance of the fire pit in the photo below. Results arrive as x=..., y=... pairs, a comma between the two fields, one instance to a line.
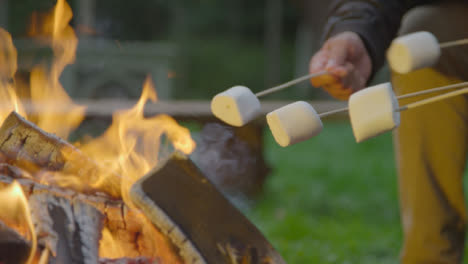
x=111, y=199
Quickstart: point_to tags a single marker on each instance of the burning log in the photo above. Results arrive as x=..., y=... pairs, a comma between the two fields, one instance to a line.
x=199, y=220
x=135, y=236
x=69, y=228
x=177, y=203
x=13, y=247
x=27, y=146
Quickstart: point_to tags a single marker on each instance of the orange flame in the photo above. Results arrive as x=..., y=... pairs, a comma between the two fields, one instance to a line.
x=45, y=84
x=14, y=210
x=130, y=146
x=8, y=67
x=109, y=247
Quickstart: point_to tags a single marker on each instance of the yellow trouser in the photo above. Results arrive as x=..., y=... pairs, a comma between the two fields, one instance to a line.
x=431, y=145
x=431, y=149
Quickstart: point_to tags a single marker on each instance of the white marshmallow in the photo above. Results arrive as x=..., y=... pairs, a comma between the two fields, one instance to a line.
x=413, y=51
x=373, y=111
x=294, y=123
x=236, y=106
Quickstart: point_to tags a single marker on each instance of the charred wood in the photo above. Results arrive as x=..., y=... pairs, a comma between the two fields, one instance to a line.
x=134, y=235
x=27, y=146
x=13, y=247
x=69, y=228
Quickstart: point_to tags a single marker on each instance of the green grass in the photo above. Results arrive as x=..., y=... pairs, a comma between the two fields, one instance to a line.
x=330, y=200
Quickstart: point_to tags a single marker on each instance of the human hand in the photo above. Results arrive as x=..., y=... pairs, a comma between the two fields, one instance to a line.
x=348, y=63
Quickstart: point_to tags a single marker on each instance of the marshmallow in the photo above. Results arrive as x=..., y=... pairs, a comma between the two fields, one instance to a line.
x=236, y=106
x=294, y=123
x=373, y=111
x=412, y=52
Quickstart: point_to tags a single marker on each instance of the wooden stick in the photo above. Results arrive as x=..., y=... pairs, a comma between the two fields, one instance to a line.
x=432, y=99
x=312, y=75
x=332, y=112
x=288, y=84
x=433, y=90
x=454, y=43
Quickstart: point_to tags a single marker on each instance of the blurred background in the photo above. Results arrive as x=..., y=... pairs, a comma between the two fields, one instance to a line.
x=193, y=49
x=327, y=200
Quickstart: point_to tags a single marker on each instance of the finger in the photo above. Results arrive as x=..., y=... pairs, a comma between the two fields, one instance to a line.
x=338, y=71
x=318, y=62
x=348, y=75
x=354, y=79
x=337, y=53
x=362, y=83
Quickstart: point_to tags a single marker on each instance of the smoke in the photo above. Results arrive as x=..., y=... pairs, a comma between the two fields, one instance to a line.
x=232, y=162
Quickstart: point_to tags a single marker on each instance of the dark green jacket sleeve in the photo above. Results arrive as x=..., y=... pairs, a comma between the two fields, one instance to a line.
x=376, y=22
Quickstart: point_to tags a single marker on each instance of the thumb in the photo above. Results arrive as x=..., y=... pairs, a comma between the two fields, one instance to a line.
x=337, y=52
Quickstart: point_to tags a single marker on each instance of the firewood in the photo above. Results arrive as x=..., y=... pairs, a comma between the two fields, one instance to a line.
x=199, y=220
x=13, y=171
x=13, y=247
x=30, y=148
x=135, y=236
x=69, y=228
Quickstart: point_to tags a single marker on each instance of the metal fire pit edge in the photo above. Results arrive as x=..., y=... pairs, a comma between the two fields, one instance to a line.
x=197, y=218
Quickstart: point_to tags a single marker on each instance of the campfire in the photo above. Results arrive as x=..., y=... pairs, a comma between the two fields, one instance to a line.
x=110, y=199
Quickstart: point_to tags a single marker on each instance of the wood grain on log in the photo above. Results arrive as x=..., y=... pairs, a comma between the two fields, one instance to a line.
x=69, y=228
x=30, y=148
x=202, y=223
x=135, y=235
